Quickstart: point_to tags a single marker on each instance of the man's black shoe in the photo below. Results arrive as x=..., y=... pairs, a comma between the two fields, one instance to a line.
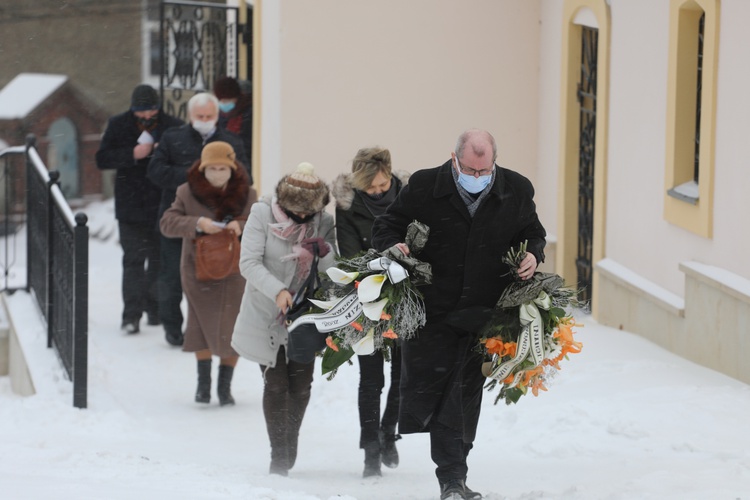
x=453, y=489
x=175, y=338
x=471, y=494
x=130, y=327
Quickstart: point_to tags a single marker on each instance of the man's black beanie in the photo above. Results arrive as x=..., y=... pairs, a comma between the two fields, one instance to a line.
x=144, y=98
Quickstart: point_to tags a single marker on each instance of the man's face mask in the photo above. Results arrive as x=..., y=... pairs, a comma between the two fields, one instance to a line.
x=471, y=183
x=147, y=122
x=204, y=128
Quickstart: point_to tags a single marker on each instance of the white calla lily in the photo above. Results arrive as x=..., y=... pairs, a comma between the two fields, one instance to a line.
x=366, y=345
x=324, y=304
x=341, y=277
x=373, y=310
x=369, y=288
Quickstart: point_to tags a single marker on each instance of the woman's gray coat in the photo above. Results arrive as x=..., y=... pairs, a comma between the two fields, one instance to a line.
x=258, y=332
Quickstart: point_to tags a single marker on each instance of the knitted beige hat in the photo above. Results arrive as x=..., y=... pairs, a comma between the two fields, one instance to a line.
x=302, y=191
x=218, y=153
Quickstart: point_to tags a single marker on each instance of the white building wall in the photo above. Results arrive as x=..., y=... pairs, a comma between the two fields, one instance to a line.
x=638, y=237
x=548, y=147
x=731, y=247
x=410, y=76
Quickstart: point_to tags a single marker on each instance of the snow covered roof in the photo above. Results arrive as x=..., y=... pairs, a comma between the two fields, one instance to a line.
x=27, y=91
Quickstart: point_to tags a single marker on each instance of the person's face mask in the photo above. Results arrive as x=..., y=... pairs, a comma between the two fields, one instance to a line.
x=471, y=183
x=147, y=122
x=376, y=196
x=299, y=219
x=204, y=128
x=217, y=176
x=226, y=107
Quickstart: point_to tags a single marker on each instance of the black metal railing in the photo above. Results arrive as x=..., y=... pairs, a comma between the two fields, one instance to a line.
x=57, y=262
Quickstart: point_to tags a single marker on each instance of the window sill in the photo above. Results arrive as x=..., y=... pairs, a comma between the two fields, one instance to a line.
x=687, y=192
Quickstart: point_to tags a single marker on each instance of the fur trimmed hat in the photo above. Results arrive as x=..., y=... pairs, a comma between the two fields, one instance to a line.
x=226, y=88
x=302, y=191
x=218, y=153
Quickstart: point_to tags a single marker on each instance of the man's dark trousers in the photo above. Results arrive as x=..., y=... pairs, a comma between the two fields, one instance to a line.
x=170, y=286
x=140, y=270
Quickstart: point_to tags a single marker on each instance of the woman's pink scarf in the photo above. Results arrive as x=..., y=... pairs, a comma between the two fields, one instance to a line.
x=288, y=230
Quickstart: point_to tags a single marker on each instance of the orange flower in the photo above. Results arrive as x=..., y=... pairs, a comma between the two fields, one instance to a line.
x=494, y=346
x=330, y=343
x=385, y=316
x=356, y=326
x=356, y=284
x=497, y=346
x=390, y=334
x=529, y=374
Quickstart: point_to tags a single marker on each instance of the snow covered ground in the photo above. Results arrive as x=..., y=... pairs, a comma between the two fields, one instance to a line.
x=623, y=420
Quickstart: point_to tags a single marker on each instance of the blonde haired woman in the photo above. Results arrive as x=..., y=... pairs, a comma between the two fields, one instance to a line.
x=361, y=196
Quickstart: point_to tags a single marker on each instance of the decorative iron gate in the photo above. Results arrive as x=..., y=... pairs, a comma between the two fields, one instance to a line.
x=199, y=45
x=586, y=150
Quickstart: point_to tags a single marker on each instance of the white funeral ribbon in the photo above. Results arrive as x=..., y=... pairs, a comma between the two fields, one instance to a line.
x=395, y=271
x=344, y=312
x=529, y=315
x=531, y=340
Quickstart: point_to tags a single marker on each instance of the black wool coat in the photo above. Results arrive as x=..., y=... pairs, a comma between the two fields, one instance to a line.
x=136, y=198
x=465, y=253
x=178, y=149
x=441, y=368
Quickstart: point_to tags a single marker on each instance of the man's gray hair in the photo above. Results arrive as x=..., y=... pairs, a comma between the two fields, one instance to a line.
x=464, y=138
x=201, y=100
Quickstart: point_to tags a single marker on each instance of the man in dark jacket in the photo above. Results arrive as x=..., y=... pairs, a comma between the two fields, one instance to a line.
x=476, y=212
x=127, y=146
x=178, y=149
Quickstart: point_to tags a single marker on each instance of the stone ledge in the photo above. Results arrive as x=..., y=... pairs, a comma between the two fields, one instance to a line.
x=641, y=286
x=721, y=279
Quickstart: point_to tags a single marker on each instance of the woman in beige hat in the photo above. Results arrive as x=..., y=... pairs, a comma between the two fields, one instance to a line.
x=217, y=194
x=276, y=258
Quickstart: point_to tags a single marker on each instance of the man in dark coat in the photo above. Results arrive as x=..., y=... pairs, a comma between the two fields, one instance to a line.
x=127, y=146
x=476, y=212
x=178, y=149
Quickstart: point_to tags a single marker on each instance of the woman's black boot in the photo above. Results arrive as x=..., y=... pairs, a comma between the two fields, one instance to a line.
x=389, y=452
x=203, y=394
x=224, y=386
x=372, y=460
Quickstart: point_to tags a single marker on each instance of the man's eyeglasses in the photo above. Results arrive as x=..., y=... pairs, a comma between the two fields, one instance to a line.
x=473, y=172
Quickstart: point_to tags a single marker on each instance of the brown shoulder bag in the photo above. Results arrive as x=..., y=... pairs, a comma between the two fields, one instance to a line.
x=217, y=255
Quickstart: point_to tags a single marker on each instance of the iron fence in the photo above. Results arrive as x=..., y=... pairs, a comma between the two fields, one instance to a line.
x=57, y=262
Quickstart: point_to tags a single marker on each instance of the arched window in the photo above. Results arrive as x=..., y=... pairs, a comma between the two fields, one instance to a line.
x=62, y=155
x=691, y=114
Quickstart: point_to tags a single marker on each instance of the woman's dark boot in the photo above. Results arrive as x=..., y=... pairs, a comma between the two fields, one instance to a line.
x=389, y=452
x=203, y=394
x=224, y=386
x=372, y=460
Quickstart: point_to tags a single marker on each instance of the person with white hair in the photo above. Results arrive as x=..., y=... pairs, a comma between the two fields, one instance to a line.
x=178, y=149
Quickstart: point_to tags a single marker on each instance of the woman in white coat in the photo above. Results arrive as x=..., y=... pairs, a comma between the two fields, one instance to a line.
x=275, y=260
